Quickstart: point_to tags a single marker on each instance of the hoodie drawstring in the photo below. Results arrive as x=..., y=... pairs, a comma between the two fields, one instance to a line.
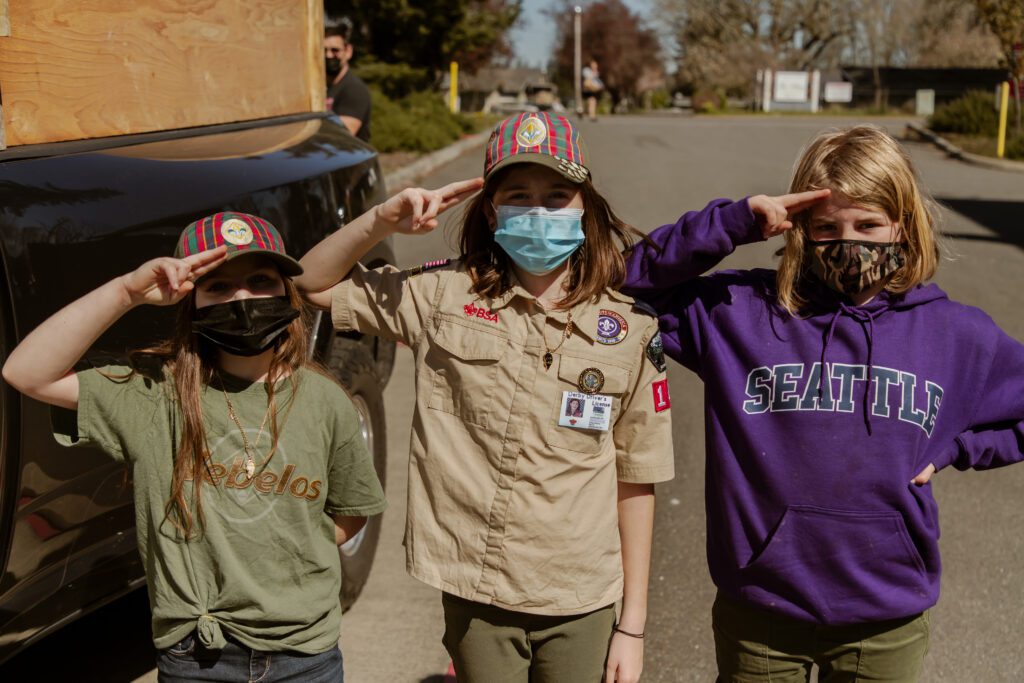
x=860, y=316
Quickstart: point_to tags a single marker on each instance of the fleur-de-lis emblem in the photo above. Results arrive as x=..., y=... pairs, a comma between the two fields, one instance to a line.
x=532, y=132
x=236, y=232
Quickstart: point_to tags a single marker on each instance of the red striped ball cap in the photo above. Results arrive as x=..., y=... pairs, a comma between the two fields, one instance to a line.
x=242, y=233
x=540, y=138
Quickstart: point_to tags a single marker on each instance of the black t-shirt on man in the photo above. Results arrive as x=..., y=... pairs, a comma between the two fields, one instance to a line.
x=351, y=97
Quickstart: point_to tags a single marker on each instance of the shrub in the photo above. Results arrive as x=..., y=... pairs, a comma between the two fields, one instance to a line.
x=419, y=122
x=972, y=114
x=1015, y=146
x=658, y=99
x=394, y=80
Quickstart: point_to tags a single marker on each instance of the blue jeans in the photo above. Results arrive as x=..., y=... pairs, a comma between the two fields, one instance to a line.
x=188, y=660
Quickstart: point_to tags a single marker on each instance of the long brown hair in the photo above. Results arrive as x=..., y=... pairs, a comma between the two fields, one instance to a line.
x=191, y=365
x=597, y=264
x=868, y=167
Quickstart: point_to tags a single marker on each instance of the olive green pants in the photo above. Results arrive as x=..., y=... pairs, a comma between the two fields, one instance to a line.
x=755, y=646
x=488, y=644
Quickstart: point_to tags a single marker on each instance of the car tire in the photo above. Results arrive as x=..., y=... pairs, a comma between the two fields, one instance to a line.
x=350, y=362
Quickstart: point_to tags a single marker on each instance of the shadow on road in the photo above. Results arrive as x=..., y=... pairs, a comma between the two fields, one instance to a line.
x=1005, y=218
x=111, y=645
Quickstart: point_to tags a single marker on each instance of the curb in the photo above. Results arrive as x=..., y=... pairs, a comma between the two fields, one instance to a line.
x=916, y=130
x=411, y=174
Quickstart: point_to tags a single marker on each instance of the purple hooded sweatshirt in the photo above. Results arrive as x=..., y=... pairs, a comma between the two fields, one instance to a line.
x=810, y=509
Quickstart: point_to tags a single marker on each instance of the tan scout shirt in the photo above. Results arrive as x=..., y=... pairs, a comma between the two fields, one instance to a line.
x=506, y=507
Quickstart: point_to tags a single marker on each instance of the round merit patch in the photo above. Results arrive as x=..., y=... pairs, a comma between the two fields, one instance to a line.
x=236, y=232
x=532, y=132
x=611, y=327
x=591, y=381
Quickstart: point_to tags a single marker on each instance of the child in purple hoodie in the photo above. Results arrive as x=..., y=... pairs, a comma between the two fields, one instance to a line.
x=822, y=528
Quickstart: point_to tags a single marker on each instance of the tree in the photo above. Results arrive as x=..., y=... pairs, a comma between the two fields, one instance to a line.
x=627, y=52
x=1006, y=20
x=722, y=43
x=428, y=34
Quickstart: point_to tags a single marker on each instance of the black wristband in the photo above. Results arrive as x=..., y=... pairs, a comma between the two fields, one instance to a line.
x=627, y=633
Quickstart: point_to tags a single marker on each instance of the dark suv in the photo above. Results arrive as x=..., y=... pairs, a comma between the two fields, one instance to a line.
x=74, y=215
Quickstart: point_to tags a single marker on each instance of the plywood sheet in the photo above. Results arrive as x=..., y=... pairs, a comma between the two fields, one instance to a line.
x=76, y=69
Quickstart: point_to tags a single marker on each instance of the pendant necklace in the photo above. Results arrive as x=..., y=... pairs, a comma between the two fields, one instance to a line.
x=548, y=355
x=250, y=463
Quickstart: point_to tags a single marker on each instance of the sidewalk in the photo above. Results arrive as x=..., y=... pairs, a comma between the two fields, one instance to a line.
x=407, y=172
x=916, y=130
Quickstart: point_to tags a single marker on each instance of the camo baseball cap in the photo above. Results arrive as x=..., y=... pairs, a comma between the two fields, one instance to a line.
x=241, y=233
x=540, y=138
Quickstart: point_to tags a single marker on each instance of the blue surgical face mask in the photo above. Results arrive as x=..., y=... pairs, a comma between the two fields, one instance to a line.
x=537, y=239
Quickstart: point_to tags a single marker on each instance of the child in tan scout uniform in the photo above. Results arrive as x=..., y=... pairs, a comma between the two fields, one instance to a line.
x=541, y=402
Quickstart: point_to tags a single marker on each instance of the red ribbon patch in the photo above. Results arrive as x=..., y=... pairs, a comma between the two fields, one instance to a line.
x=661, y=397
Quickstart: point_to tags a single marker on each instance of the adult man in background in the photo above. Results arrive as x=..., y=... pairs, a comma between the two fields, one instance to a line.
x=347, y=95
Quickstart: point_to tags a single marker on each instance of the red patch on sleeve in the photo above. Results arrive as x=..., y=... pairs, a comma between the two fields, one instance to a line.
x=661, y=397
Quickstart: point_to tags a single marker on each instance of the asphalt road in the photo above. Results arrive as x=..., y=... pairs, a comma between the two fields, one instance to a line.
x=652, y=169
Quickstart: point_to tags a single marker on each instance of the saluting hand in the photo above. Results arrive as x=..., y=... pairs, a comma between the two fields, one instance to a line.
x=415, y=210
x=774, y=214
x=165, y=281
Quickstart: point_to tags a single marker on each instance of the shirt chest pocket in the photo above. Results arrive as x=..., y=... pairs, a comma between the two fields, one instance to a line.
x=463, y=360
x=570, y=370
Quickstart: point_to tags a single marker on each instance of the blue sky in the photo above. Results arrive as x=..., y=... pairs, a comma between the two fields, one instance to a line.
x=534, y=38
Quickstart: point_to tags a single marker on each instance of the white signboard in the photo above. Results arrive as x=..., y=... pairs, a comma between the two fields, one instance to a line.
x=838, y=91
x=791, y=86
x=925, y=102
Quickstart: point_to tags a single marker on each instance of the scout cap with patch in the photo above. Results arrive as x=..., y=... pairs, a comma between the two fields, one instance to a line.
x=539, y=138
x=241, y=233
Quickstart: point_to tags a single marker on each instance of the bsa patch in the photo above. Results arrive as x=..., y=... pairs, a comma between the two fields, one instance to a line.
x=532, y=132
x=611, y=327
x=429, y=265
x=656, y=352
x=236, y=232
x=591, y=381
x=661, y=397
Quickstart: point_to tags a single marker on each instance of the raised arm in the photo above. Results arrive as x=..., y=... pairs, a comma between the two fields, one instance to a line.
x=41, y=365
x=699, y=240
x=411, y=211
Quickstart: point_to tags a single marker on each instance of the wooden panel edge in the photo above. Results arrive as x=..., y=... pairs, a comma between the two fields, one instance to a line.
x=316, y=77
x=5, y=19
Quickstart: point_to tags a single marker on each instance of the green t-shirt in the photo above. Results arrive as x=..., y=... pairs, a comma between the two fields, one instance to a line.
x=265, y=569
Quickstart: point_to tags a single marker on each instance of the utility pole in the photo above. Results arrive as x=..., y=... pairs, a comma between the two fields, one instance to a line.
x=578, y=57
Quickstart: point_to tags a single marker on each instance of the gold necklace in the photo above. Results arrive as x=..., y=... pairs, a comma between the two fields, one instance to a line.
x=548, y=357
x=250, y=463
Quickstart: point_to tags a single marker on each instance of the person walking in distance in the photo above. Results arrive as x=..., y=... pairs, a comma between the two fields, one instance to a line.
x=593, y=86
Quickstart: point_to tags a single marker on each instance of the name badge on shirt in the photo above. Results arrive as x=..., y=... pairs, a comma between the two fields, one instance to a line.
x=585, y=411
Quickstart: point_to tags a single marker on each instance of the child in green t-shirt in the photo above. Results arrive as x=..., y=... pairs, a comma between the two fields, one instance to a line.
x=248, y=464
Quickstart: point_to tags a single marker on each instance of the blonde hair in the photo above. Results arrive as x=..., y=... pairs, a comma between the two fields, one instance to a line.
x=868, y=167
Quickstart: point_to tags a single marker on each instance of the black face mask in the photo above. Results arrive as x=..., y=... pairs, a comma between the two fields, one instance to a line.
x=246, y=327
x=333, y=65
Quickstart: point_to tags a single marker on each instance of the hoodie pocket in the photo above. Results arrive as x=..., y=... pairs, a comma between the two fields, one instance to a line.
x=841, y=566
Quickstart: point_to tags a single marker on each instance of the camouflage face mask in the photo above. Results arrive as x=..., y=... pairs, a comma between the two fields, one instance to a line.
x=852, y=266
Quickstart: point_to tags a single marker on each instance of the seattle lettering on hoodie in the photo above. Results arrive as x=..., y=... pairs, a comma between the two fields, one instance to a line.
x=810, y=512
